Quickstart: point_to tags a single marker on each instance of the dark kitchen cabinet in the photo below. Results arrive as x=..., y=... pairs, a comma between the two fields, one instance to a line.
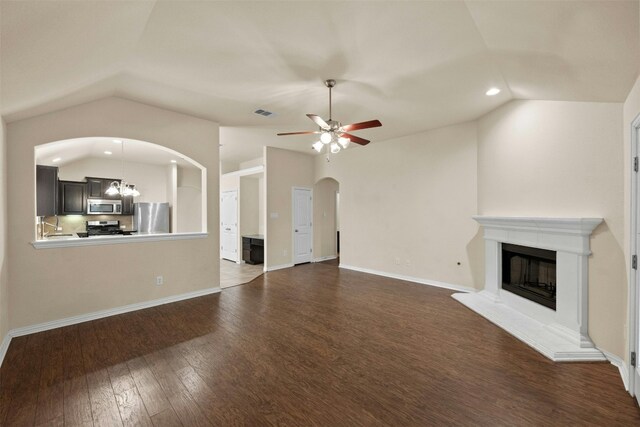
x=94, y=188
x=72, y=198
x=127, y=205
x=97, y=188
x=253, y=249
x=46, y=190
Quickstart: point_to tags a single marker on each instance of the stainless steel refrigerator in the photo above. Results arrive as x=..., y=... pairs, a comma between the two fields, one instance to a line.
x=151, y=218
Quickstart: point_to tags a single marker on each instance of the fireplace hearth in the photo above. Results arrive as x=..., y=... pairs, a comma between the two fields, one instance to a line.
x=529, y=254
x=530, y=273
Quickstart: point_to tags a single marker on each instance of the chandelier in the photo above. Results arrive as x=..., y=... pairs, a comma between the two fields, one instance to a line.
x=122, y=187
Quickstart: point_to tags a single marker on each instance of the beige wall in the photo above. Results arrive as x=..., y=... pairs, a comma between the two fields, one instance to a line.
x=548, y=158
x=262, y=200
x=150, y=180
x=63, y=282
x=189, y=200
x=406, y=206
x=249, y=203
x=284, y=170
x=324, y=218
x=631, y=110
x=4, y=267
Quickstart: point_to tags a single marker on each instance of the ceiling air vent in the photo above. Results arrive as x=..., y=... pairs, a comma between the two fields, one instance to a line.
x=264, y=113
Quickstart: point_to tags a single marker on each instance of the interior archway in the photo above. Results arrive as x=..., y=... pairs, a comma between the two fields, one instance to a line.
x=160, y=174
x=326, y=227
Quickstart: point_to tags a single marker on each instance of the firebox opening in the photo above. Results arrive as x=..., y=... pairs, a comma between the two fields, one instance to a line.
x=530, y=273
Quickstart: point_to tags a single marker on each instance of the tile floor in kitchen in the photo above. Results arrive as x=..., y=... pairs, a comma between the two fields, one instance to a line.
x=232, y=274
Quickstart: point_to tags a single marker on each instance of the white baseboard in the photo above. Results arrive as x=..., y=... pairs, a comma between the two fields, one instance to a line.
x=26, y=330
x=277, y=267
x=109, y=312
x=324, y=258
x=410, y=279
x=621, y=365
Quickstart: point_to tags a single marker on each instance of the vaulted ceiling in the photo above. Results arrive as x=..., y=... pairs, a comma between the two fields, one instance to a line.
x=413, y=65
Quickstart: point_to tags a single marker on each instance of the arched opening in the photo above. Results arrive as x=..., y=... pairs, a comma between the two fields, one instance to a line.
x=116, y=186
x=326, y=214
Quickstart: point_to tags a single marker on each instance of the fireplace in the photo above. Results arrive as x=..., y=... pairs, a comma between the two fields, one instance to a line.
x=530, y=273
x=524, y=259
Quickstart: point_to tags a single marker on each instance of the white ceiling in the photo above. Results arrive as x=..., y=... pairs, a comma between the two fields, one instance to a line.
x=412, y=65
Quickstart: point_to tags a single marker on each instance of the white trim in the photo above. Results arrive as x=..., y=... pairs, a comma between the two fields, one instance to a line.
x=632, y=297
x=4, y=347
x=109, y=312
x=621, y=365
x=114, y=240
x=324, y=258
x=244, y=172
x=277, y=267
x=537, y=335
x=557, y=234
x=419, y=280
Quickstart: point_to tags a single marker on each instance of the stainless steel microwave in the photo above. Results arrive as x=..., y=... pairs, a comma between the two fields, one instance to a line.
x=104, y=207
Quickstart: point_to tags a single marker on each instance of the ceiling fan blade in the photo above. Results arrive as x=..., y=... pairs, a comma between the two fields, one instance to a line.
x=319, y=121
x=299, y=133
x=356, y=139
x=362, y=125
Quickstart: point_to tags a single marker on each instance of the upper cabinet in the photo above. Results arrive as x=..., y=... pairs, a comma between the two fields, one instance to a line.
x=127, y=205
x=97, y=188
x=46, y=190
x=72, y=198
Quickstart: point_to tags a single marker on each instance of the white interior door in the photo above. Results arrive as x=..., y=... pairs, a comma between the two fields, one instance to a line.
x=302, y=225
x=229, y=225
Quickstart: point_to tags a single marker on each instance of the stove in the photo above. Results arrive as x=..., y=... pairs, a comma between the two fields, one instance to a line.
x=103, y=228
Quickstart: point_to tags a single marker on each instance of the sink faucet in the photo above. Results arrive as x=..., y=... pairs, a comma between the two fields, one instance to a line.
x=43, y=223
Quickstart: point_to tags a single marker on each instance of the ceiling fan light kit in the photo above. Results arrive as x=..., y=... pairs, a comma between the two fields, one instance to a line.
x=332, y=132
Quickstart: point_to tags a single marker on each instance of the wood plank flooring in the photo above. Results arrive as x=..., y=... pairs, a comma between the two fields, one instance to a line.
x=306, y=346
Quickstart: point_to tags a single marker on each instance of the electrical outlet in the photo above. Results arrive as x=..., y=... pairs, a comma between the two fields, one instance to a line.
x=58, y=228
x=123, y=227
x=397, y=261
x=159, y=280
x=284, y=252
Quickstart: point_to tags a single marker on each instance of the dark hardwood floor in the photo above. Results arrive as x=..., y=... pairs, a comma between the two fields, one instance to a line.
x=310, y=345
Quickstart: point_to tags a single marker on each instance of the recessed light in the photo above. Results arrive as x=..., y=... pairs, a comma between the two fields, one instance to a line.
x=117, y=141
x=174, y=161
x=108, y=153
x=493, y=91
x=56, y=160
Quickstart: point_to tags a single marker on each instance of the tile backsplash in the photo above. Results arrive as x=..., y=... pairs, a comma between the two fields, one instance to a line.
x=78, y=223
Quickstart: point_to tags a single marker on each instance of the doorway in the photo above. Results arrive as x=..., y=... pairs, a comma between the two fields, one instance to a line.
x=302, y=225
x=326, y=213
x=229, y=225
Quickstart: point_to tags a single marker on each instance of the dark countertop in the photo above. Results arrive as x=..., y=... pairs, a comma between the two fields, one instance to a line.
x=255, y=236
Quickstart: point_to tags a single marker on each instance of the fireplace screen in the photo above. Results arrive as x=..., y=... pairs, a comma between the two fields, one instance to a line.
x=530, y=273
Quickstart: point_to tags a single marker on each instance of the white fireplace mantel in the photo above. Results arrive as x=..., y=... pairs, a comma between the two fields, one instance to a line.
x=561, y=334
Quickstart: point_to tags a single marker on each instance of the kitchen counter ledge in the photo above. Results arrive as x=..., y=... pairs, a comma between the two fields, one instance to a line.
x=112, y=240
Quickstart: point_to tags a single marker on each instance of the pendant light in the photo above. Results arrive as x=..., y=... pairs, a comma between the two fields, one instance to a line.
x=122, y=187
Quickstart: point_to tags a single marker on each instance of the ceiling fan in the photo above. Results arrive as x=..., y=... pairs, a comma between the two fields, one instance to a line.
x=332, y=132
